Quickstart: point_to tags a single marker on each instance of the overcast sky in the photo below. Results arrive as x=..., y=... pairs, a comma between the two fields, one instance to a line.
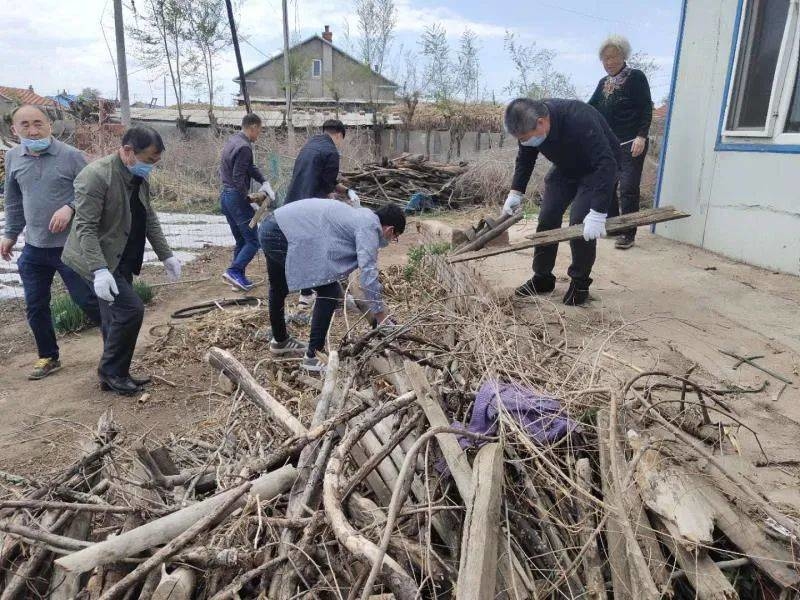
x=67, y=44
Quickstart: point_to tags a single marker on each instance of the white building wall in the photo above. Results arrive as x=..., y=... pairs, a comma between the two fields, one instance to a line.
x=745, y=205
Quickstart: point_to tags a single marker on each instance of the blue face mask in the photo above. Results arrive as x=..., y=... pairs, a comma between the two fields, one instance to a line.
x=141, y=169
x=534, y=141
x=36, y=145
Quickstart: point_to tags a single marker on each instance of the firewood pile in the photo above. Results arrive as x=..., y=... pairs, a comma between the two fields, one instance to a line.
x=395, y=181
x=369, y=482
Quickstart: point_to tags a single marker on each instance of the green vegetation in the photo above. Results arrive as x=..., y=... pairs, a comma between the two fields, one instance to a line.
x=417, y=254
x=68, y=318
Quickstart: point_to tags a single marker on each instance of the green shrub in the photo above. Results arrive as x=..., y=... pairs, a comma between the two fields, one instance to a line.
x=418, y=253
x=69, y=318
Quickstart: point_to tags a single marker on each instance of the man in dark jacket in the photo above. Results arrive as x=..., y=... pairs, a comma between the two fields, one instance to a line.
x=585, y=154
x=315, y=175
x=236, y=169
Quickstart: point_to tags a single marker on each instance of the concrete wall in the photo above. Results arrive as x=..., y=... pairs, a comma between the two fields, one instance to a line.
x=437, y=143
x=341, y=76
x=745, y=205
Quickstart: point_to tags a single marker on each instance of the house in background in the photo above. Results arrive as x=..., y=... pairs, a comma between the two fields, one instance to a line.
x=732, y=141
x=324, y=77
x=11, y=97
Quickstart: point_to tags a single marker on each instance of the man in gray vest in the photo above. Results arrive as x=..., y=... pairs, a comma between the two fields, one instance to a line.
x=40, y=199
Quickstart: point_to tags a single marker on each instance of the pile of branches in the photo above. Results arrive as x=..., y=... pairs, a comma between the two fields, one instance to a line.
x=396, y=181
x=368, y=481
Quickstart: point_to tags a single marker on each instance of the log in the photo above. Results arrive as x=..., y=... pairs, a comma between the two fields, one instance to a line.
x=479, y=242
x=565, y=234
x=178, y=585
x=592, y=564
x=168, y=527
x=237, y=372
x=477, y=574
x=704, y=576
x=65, y=585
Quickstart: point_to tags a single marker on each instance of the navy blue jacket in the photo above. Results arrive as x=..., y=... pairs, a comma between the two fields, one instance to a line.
x=236, y=167
x=581, y=146
x=315, y=170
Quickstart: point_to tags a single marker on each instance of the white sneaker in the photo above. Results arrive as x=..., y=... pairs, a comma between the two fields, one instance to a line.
x=305, y=302
x=313, y=364
x=289, y=346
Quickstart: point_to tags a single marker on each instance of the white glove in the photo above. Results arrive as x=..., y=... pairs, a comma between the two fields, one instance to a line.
x=594, y=225
x=267, y=189
x=105, y=287
x=512, y=203
x=355, y=201
x=173, y=268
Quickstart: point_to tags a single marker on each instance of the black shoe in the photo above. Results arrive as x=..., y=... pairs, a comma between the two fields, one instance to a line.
x=578, y=292
x=624, y=242
x=538, y=284
x=121, y=385
x=140, y=381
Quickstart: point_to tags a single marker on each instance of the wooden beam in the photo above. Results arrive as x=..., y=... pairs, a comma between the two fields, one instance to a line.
x=565, y=234
x=477, y=575
x=487, y=236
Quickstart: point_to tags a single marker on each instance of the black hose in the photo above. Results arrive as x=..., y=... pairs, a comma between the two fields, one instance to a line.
x=201, y=309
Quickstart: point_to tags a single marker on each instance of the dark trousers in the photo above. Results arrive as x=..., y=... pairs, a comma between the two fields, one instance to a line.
x=238, y=212
x=122, y=320
x=630, y=180
x=37, y=267
x=275, y=249
x=562, y=192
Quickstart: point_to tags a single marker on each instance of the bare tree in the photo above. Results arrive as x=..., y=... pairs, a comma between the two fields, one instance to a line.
x=536, y=77
x=377, y=20
x=645, y=63
x=439, y=67
x=469, y=66
x=411, y=89
x=160, y=36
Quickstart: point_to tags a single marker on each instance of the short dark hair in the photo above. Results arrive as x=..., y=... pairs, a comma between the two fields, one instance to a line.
x=391, y=215
x=522, y=115
x=334, y=126
x=21, y=106
x=251, y=119
x=141, y=137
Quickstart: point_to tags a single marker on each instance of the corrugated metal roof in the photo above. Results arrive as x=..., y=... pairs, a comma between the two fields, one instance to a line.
x=25, y=96
x=232, y=117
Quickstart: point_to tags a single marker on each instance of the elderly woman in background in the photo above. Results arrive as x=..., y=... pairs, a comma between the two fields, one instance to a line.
x=623, y=98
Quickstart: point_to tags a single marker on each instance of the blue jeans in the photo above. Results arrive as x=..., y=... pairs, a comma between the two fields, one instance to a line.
x=37, y=267
x=238, y=212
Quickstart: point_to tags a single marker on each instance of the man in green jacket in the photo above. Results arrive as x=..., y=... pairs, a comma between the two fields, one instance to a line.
x=113, y=218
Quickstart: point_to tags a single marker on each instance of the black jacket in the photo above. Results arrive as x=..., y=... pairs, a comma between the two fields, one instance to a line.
x=580, y=145
x=628, y=107
x=315, y=170
x=237, y=168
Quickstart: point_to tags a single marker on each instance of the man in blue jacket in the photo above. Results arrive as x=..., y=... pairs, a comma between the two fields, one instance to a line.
x=236, y=169
x=586, y=155
x=315, y=175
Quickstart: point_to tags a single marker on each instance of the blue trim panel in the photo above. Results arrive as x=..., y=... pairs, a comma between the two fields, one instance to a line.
x=674, y=84
x=762, y=148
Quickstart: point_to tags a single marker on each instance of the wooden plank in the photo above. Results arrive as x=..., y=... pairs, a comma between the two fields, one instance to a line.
x=477, y=575
x=486, y=237
x=565, y=234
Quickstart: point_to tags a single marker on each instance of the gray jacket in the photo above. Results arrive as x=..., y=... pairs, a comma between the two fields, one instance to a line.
x=36, y=187
x=328, y=240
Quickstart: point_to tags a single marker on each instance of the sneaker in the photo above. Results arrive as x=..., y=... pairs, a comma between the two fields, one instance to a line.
x=578, y=292
x=288, y=346
x=236, y=279
x=44, y=367
x=250, y=285
x=624, y=242
x=305, y=302
x=313, y=364
x=538, y=284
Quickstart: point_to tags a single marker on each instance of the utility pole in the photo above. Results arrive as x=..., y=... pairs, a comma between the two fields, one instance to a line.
x=235, y=38
x=122, y=66
x=165, y=91
x=287, y=80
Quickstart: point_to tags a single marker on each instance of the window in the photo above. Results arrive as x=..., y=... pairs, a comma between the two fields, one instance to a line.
x=762, y=100
x=316, y=68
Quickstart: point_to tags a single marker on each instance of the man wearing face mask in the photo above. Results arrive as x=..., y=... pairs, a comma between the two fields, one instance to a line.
x=113, y=218
x=314, y=244
x=585, y=154
x=40, y=200
x=315, y=174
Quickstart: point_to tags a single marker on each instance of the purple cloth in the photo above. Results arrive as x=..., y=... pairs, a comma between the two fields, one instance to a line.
x=543, y=418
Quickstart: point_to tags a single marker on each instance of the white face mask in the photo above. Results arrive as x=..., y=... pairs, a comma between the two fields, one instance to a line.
x=534, y=141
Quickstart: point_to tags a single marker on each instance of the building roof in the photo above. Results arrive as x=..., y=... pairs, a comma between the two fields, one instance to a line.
x=660, y=112
x=64, y=99
x=232, y=117
x=388, y=81
x=25, y=96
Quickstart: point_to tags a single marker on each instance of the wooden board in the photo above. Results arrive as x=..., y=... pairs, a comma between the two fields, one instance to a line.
x=565, y=234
